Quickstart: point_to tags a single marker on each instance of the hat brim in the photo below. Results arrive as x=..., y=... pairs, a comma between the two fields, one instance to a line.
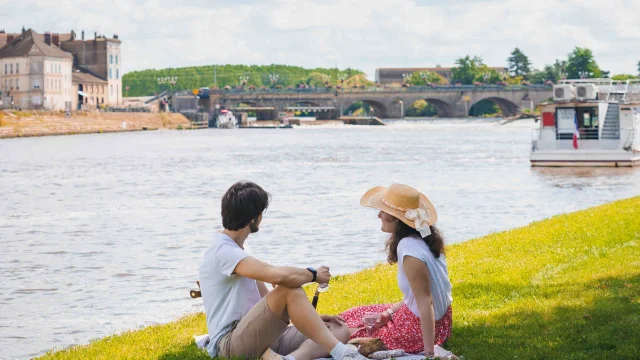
x=373, y=199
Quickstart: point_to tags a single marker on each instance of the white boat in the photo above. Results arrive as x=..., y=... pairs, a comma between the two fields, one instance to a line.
x=591, y=122
x=226, y=120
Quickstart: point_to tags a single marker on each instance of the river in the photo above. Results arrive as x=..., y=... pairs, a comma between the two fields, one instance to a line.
x=104, y=233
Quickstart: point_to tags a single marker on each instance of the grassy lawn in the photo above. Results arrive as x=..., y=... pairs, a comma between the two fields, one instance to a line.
x=563, y=288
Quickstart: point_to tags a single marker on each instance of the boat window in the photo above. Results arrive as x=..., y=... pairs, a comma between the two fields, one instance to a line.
x=585, y=117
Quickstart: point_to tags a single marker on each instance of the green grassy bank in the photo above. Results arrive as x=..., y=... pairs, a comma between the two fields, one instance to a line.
x=563, y=288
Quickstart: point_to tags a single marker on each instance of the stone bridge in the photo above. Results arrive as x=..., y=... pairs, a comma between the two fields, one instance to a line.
x=450, y=101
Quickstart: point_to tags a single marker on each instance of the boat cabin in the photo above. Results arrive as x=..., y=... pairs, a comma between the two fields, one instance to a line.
x=589, y=122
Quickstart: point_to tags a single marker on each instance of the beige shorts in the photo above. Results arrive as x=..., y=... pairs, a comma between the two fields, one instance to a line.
x=258, y=330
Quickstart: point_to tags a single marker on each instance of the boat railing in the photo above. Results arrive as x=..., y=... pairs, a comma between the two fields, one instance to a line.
x=588, y=140
x=612, y=90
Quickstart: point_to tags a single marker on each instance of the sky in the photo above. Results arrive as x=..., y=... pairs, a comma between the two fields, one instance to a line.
x=359, y=34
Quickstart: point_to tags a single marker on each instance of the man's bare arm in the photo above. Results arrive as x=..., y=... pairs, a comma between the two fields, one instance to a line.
x=288, y=276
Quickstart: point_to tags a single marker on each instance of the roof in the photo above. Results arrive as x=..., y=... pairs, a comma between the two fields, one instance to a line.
x=31, y=44
x=80, y=76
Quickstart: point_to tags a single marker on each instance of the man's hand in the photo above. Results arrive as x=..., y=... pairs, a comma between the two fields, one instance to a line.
x=334, y=319
x=323, y=276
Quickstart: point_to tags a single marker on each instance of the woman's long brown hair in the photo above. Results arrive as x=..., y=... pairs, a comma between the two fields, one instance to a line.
x=435, y=242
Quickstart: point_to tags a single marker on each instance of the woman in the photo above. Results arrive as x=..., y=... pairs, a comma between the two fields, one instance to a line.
x=422, y=320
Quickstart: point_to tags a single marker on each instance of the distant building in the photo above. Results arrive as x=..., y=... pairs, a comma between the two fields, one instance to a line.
x=101, y=58
x=95, y=77
x=35, y=74
x=387, y=76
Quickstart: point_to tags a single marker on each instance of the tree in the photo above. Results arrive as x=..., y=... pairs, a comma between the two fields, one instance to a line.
x=488, y=76
x=425, y=77
x=638, y=67
x=581, y=64
x=421, y=108
x=519, y=64
x=467, y=70
x=623, y=77
x=317, y=79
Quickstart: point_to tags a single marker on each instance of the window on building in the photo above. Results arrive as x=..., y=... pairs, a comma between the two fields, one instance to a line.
x=11, y=84
x=6, y=66
x=17, y=68
x=10, y=68
x=17, y=84
x=111, y=59
x=116, y=59
x=117, y=73
x=110, y=73
x=5, y=84
x=111, y=90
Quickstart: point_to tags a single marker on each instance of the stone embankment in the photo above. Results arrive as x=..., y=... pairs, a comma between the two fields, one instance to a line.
x=24, y=124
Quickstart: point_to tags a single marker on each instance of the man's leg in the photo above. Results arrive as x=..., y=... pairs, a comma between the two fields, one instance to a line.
x=293, y=303
x=309, y=350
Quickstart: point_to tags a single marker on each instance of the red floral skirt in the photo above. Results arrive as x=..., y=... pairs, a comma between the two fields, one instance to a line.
x=404, y=332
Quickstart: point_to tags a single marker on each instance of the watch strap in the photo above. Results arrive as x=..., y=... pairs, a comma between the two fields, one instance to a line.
x=314, y=272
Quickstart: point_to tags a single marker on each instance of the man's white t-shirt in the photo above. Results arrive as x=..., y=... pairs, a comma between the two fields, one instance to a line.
x=227, y=297
x=438, y=276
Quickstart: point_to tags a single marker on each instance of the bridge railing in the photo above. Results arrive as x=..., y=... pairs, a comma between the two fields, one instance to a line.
x=410, y=89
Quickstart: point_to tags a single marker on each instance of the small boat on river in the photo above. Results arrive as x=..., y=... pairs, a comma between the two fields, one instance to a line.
x=591, y=122
x=226, y=120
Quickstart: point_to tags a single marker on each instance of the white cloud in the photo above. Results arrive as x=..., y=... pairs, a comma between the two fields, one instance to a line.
x=359, y=34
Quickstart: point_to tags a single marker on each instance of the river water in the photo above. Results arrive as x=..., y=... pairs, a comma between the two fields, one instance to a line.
x=104, y=233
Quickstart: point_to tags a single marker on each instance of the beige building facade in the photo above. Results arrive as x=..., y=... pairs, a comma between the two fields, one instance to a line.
x=34, y=74
x=100, y=57
x=62, y=68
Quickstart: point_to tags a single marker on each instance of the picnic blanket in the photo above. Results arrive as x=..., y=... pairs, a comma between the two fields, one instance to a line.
x=203, y=340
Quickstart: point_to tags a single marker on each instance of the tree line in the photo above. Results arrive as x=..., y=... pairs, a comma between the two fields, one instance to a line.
x=469, y=70
x=149, y=82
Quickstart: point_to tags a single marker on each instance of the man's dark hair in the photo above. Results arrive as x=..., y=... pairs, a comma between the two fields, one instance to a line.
x=242, y=203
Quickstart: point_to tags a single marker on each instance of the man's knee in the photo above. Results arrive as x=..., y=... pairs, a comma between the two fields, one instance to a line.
x=286, y=291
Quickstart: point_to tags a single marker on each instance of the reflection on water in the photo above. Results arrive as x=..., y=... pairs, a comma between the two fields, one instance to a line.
x=104, y=233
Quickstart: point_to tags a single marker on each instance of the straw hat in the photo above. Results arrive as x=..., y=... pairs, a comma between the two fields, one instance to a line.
x=405, y=203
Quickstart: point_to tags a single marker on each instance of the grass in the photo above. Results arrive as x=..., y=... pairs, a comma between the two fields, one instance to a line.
x=562, y=288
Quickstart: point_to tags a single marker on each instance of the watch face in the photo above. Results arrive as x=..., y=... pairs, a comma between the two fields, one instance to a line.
x=311, y=269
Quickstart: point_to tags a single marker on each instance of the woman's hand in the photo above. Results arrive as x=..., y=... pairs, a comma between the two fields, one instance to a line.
x=383, y=318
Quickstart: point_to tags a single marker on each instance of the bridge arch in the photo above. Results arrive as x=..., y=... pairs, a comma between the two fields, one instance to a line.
x=507, y=107
x=443, y=108
x=379, y=109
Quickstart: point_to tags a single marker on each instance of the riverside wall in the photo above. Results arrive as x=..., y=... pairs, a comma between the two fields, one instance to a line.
x=25, y=124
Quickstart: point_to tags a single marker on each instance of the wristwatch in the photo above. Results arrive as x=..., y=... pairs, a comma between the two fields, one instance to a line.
x=314, y=272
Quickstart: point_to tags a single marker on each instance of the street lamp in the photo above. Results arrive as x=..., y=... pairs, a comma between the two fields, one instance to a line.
x=243, y=79
x=424, y=77
x=405, y=76
x=273, y=77
x=342, y=77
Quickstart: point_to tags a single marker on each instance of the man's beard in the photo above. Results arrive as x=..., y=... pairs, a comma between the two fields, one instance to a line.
x=253, y=228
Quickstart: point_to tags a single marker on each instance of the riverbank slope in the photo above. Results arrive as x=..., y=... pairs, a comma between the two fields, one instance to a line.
x=565, y=287
x=25, y=124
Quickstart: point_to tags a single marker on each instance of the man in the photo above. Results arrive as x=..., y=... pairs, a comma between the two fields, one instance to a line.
x=243, y=317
